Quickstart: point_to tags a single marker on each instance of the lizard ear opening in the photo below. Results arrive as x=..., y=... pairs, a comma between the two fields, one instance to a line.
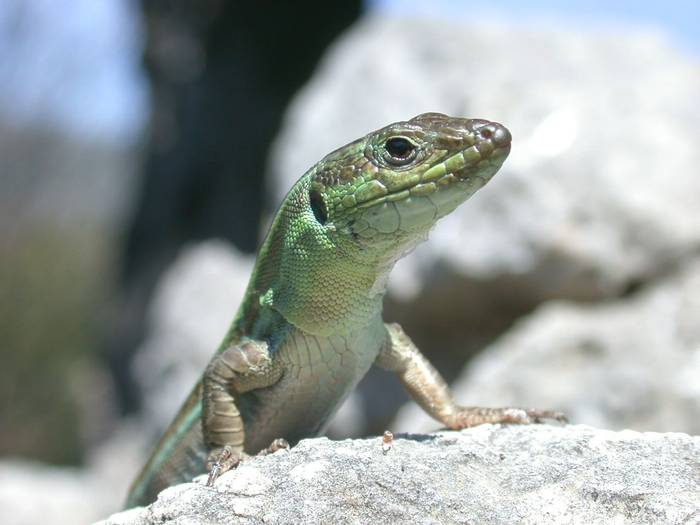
x=318, y=207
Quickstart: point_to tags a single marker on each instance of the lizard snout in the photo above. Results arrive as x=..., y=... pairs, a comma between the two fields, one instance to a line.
x=493, y=131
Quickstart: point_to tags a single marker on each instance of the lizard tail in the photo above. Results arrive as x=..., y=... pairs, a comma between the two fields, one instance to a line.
x=179, y=456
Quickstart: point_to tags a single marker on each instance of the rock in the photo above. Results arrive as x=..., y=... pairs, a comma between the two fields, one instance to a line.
x=631, y=363
x=488, y=475
x=61, y=491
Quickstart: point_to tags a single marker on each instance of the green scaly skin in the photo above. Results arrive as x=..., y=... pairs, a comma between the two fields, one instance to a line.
x=310, y=325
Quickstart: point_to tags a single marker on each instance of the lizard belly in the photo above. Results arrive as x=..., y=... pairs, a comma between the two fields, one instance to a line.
x=319, y=373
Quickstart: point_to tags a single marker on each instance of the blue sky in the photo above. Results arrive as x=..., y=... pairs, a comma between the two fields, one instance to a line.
x=680, y=19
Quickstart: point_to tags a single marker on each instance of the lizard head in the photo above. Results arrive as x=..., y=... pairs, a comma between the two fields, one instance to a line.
x=343, y=225
x=382, y=194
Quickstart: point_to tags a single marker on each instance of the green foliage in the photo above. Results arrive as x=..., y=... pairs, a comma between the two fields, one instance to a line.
x=49, y=302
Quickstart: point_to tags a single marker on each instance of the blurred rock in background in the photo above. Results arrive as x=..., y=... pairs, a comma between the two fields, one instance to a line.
x=36, y=493
x=632, y=363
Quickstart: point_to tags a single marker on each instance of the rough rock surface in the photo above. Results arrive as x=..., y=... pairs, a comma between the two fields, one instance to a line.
x=487, y=475
x=632, y=363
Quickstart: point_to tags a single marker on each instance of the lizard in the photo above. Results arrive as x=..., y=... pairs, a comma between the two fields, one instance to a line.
x=309, y=326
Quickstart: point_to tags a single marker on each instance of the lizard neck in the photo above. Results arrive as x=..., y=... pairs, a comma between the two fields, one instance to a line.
x=316, y=285
x=329, y=299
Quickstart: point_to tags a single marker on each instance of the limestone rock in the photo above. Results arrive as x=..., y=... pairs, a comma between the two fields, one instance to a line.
x=488, y=475
x=632, y=363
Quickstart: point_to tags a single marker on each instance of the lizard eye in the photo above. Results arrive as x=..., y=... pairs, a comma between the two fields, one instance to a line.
x=399, y=151
x=318, y=207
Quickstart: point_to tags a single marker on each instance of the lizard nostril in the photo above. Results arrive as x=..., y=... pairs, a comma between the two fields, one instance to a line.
x=497, y=133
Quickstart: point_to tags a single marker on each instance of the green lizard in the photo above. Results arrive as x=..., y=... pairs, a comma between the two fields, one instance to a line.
x=310, y=325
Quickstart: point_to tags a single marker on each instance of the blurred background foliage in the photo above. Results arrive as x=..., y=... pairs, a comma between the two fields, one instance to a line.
x=127, y=131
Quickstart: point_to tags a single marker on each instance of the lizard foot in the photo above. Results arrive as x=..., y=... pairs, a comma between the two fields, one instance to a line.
x=226, y=458
x=465, y=417
x=277, y=444
x=222, y=460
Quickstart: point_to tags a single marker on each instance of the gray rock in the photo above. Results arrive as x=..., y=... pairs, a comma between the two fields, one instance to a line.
x=631, y=363
x=487, y=475
x=64, y=494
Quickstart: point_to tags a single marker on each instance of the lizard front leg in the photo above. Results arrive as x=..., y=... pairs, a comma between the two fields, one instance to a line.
x=425, y=385
x=238, y=369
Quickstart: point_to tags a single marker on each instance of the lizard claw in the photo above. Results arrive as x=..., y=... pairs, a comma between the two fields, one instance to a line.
x=220, y=461
x=527, y=416
x=225, y=458
x=277, y=444
x=538, y=415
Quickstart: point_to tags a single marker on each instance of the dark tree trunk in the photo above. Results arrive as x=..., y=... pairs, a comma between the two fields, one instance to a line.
x=221, y=75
